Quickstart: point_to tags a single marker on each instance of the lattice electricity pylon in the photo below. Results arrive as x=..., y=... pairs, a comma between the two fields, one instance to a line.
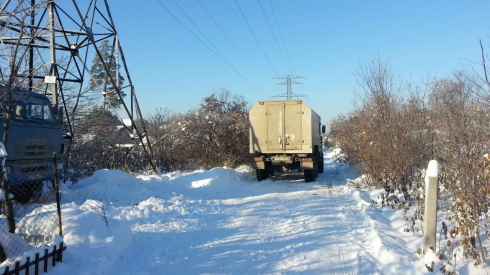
x=289, y=94
x=46, y=46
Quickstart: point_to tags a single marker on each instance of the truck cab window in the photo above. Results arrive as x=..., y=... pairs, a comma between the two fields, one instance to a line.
x=34, y=110
x=40, y=111
x=20, y=110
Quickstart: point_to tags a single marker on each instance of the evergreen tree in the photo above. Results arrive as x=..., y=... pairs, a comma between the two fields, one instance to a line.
x=100, y=78
x=98, y=119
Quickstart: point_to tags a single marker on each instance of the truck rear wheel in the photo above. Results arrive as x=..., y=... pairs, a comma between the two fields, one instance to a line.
x=262, y=174
x=309, y=175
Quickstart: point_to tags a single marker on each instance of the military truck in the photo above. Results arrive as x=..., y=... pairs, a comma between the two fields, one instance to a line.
x=35, y=133
x=286, y=135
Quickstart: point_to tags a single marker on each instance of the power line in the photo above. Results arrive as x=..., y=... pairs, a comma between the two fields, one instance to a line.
x=256, y=38
x=200, y=40
x=290, y=49
x=282, y=37
x=231, y=41
x=224, y=58
x=274, y=35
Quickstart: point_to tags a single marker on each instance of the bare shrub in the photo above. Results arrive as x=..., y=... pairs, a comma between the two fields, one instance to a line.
x=462, y=123
x=215, y=134
x=395, y=130
x=385, y=130
x=167, y=147
x=100, y=142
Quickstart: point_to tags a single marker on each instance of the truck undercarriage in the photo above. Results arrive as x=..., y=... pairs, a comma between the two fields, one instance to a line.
x=310, y=164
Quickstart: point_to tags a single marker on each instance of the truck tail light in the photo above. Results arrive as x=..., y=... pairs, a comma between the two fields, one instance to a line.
x=258, y=159
x=306, y=159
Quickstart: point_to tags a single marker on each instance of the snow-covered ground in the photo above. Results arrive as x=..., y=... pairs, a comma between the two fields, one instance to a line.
x=223, y=221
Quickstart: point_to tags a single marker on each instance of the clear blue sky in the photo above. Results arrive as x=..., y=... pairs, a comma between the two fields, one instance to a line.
x=323, y=41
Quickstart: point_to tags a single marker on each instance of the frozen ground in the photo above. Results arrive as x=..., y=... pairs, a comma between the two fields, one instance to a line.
x=223, y=221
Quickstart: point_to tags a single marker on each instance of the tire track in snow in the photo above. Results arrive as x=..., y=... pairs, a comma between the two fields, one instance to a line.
x=277, y=226
x=297, y=232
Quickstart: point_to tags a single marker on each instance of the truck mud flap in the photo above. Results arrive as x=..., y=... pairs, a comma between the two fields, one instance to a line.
x=307, y=164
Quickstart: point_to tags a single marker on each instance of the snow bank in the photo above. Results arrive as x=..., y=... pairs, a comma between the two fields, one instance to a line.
x=222, y=221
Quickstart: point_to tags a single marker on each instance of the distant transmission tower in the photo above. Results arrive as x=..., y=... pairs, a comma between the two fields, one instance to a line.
x=289, y=94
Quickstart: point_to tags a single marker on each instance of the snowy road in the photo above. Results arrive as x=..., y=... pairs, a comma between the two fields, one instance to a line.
x=272, y=233
x=223, y=221
x=297, y=232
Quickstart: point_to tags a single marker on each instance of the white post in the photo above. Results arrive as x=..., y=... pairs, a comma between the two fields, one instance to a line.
x=431, y=185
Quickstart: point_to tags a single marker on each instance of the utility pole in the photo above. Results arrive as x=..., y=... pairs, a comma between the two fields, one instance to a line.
x=289, y=94
x=51, y=79
x=31, y=48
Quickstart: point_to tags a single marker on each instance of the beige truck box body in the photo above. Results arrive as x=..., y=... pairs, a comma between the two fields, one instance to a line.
x=286, y=126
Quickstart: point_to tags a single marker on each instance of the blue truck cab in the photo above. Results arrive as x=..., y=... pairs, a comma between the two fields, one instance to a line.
x=35, y=134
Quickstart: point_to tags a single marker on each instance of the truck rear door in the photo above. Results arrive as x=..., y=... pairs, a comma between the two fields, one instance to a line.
x=275, y=127
x=292, y=127
x=284, y=127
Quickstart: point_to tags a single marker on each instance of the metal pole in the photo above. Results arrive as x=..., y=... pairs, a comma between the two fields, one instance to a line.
x=117, y=61
x=431, y=186
x=31, y=48
x=57, y=191
x=52, y=73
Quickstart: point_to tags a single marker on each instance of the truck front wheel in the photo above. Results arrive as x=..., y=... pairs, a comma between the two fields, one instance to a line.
x=27, y=193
